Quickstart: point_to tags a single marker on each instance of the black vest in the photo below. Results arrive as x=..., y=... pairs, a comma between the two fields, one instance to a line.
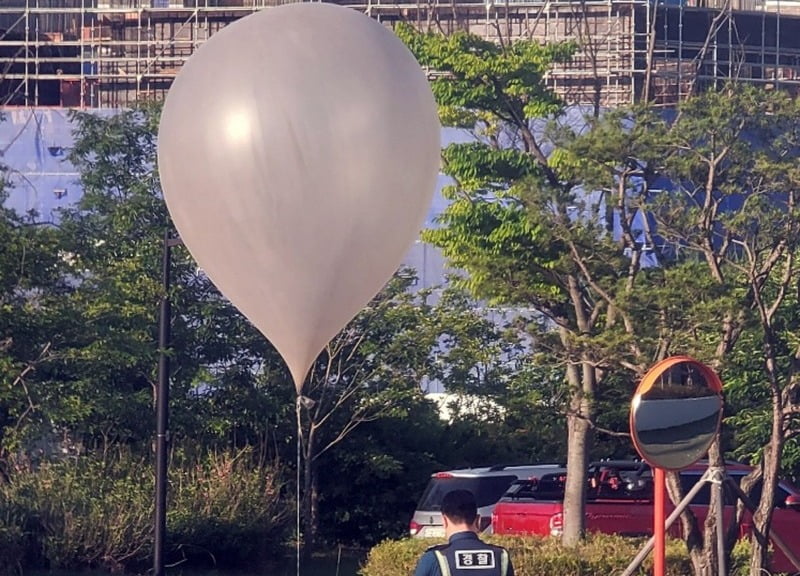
x=467, y=555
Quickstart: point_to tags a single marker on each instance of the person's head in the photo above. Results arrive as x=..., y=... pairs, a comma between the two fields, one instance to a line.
x=459, y=511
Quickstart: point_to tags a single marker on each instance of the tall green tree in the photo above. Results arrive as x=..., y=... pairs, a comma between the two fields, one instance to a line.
x=574, y=233
x=722, y=224
x=524, y=223
x=373, y=371
x=734, y=157
x=32, y=284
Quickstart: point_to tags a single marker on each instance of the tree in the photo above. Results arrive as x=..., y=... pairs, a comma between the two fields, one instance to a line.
x=374, y=368
x=524, y=227
x=369, y=485
x=733, y=156
x=101, y=325
x=722, y=225
x=387, y=462
x=31, y=286
x=362, y=375
x=578, y=234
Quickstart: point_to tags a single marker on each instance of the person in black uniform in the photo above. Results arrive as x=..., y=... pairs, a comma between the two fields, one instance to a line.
x=464, y=554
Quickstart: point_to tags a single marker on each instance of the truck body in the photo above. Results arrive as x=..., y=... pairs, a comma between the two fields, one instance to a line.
x=620, y=501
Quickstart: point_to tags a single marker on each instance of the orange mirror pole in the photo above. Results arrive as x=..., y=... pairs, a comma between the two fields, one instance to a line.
x=659, y=519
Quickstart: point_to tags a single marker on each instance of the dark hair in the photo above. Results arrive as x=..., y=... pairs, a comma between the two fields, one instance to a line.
x=460, y=507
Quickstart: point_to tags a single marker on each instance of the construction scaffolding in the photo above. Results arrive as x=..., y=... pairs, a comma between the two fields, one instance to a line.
x=112, y=53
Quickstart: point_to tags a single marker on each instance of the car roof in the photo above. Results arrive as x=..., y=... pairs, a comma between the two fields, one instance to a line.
x=524, y=471
x=729, y=465
x=501, y=470
x=699, y=466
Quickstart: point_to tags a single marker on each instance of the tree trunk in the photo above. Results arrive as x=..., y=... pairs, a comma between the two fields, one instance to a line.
x=710, y=556
x=581, y=379
x=702, y=545
x=762, y=518
x=693, y=535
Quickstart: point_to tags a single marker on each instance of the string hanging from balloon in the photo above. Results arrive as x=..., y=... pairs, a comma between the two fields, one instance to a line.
x=297, y=487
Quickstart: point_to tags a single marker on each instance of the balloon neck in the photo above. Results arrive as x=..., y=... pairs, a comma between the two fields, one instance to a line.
x=299, y=381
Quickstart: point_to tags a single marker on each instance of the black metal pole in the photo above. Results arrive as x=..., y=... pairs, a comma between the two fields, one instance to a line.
x=162, y=412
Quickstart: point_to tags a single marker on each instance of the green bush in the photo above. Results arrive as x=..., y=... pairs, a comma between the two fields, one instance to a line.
x=599, y=555
x=83, y=512
x=227, y=510
x=89, y=512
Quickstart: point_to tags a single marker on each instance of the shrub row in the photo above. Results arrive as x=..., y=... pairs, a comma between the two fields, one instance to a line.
x=98, y=513
x=598, y=555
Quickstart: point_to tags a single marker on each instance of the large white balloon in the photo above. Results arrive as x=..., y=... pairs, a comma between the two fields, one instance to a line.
x=298, y=151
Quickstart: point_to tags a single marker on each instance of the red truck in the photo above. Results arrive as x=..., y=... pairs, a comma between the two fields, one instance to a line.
x=619, y=501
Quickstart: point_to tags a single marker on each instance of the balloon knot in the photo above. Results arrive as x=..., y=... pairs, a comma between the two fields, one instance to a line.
x=305, y=402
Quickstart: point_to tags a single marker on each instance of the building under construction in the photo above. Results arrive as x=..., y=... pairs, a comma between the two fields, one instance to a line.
x=111, y=53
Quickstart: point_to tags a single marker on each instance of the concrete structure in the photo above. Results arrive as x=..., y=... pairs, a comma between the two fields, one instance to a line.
x=110, y=53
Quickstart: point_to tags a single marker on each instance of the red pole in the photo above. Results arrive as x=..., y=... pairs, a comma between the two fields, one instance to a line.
x=659, y=536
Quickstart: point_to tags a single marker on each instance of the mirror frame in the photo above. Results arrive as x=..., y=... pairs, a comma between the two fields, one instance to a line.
x=651, y=377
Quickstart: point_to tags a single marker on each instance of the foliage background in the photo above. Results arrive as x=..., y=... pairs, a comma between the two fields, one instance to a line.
x=78, y=326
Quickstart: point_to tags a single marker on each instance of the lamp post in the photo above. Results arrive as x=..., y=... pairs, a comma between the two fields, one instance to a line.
x=162, y=409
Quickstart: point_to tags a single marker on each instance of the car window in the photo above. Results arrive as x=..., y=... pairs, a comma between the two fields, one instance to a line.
x=609, y=483
x=548, y=487
x=780, y=495
x=688, y=481
x=612, y=482
x=639, y=489
x=703, y=498
x=487, y=489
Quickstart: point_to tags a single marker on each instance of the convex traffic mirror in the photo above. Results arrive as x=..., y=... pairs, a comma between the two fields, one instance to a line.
x=676, y=412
